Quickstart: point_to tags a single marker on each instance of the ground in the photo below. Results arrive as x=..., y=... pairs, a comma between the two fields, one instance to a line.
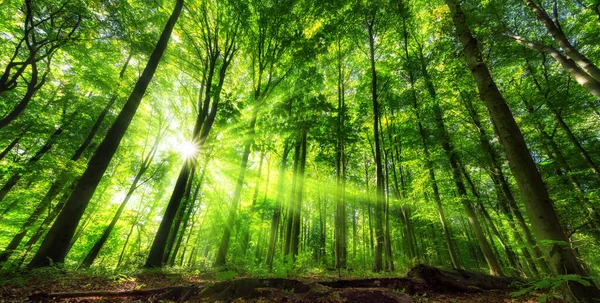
x=170, y=287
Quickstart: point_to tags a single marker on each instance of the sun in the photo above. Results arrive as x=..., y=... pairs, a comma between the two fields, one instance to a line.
x=188, y=149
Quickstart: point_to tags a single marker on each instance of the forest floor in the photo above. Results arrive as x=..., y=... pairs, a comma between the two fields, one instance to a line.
x=178, y=287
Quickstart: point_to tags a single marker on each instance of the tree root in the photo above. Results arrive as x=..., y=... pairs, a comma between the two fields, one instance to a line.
x=176, y=293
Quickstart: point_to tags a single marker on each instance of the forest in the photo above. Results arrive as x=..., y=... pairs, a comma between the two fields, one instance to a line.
x=293, y=138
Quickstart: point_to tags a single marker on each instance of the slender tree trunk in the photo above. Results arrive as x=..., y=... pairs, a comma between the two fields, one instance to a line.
x=543, y=217
x=340, y=213
x=185, y=221
x=297, y=214
x=12, y=144
x=32, y=88
x=490, y=258
x=145, y=164
x=290, y=205
x=122, y=254
x=54, y=247
x=277, y=211
x=489, y=255
x=183, y=208
x=379, y=204
x=554, y=153
x=436, y=195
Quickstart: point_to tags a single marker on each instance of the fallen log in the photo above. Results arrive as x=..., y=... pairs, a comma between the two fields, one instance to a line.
x=403, y=284
x=423, y=278
x=441, y=280
x=175, y=293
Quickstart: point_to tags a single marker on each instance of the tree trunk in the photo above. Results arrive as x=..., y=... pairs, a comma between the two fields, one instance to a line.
x=297, y=214
x=340, y=210
x=379, y=204
x=12, y=144
x=180, y=213
x=58, y=184
x=56, y=243
x=277, y=211
x=289, y=222
x=32, y=88
x=186, y=218
x=537, y=202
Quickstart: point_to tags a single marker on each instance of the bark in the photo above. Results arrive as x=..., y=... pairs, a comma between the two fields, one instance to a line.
x=186, y=218
x=95, y=250
x=340, y=214
x=32, y=88
x=122, y=254
x=58, y=184
x=388, y=260
x=39, y=44
x=209, y=99
x=541, y=212
x=571, y=136
x=179, y=215
x=379, y=199
x=554, y=153
x=56, y=243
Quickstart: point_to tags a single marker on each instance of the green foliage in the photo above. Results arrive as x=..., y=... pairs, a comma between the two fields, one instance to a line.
x=299, y=66
x=548, y=286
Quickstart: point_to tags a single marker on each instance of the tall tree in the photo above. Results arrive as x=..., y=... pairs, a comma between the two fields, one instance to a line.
x=55, y=245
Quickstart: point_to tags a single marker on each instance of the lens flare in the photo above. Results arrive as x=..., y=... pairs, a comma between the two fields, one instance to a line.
x=188, y=149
